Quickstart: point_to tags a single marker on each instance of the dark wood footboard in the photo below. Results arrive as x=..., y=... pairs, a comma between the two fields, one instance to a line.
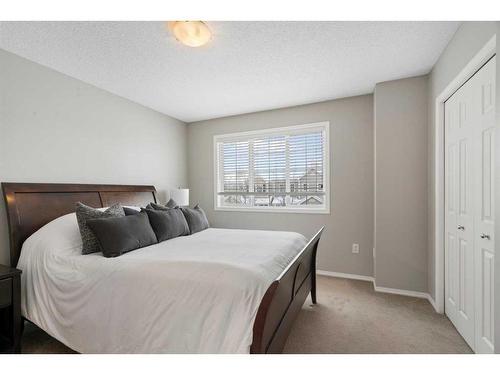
x=284, y=299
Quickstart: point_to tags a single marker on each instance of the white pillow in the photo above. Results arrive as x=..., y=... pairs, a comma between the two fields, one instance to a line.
x=60, y=236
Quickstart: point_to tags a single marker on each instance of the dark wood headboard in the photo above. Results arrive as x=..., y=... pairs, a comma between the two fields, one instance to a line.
x=30, y=206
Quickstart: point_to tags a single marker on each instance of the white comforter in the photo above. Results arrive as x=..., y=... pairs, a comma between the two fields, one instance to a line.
x=193, y=294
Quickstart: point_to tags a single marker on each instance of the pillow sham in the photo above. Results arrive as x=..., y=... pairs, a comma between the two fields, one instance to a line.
x=155, y=206
x=168, y=224
x=83, y=214
x=119, y=235
x=196, y=218
x=131, y=211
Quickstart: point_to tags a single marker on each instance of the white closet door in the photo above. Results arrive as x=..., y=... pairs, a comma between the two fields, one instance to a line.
x=469, y=207
x=459, y=239
x=484, y=123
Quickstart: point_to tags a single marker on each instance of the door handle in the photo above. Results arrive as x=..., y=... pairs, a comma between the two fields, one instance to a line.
x=485, y=236
x=461, y=227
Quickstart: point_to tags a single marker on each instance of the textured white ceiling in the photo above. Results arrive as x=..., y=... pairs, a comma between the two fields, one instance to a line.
x=247, y=67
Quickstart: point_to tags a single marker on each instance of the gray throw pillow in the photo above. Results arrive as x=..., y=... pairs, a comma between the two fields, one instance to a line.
x=155, y=206
x=168, y=224
x=130, y=211
x=85, y=213
x=196, y=218
x=119, y=235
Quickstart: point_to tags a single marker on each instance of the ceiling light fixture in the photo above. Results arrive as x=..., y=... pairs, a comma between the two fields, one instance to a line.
x=190, y=33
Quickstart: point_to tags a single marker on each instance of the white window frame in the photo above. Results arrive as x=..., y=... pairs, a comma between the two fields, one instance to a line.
x=323, y=126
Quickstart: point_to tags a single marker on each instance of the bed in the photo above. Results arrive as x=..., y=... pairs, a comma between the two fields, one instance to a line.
x=216, y=291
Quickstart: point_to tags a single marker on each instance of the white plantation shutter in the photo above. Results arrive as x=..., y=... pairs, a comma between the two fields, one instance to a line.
x=269, y=171
x=306, y=162
x=282, y=169
x=235, y=158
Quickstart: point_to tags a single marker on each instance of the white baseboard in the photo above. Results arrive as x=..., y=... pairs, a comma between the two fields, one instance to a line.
x=433, y=303
x=402, y=292
x=345, y=275
x=380, y=289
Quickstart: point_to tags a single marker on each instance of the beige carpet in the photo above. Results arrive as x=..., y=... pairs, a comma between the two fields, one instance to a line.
x=350, y=318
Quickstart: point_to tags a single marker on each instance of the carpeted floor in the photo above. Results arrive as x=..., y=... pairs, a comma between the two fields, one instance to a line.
x=350, y=317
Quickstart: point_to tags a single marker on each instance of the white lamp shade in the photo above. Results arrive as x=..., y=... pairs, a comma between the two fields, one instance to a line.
x=180, y=196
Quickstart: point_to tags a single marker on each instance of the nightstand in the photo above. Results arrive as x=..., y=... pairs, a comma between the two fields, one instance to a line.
x=10, y=310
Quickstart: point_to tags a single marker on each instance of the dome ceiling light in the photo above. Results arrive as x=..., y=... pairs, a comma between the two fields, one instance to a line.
x=190, y=33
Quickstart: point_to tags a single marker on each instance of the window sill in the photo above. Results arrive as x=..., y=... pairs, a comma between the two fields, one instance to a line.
x=287, y=210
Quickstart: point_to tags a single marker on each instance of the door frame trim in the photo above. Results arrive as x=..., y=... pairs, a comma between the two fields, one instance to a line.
x=484, y=54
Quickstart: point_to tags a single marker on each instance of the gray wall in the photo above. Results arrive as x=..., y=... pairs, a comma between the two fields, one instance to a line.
x=401, y=184
x=54, y=128
x=351, y=189
x=468, y=40
x=497, y=208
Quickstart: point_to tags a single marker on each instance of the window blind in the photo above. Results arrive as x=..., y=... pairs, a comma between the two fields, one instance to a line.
x=266, y=169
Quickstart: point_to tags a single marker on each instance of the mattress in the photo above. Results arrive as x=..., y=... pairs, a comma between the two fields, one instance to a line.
x=191, y=294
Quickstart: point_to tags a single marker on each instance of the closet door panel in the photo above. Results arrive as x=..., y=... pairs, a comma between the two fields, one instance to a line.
x=484, y=200
x=469, y=208
x=459, y=206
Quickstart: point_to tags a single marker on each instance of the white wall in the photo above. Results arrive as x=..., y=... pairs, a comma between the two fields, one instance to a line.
x=401, y=184
x=54, y=128
x=351, y=151
x=468, y=40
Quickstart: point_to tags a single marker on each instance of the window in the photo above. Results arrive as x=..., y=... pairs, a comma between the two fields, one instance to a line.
x=283, y=169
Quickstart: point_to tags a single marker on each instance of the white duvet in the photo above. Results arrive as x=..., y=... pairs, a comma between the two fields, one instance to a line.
x=192, y=294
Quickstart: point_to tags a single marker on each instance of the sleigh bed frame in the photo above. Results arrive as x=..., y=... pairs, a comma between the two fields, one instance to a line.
x=30, y=206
